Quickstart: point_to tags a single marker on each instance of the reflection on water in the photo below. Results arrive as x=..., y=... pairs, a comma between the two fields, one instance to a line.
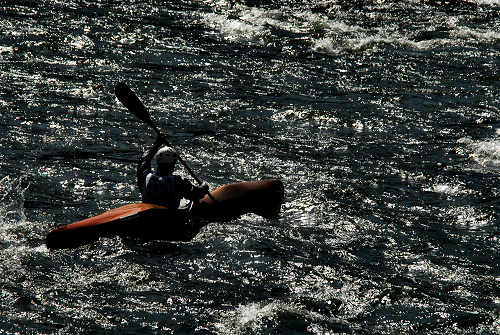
x=380, y=117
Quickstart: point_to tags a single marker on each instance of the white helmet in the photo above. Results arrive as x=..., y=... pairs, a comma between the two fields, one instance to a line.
x=166, y=155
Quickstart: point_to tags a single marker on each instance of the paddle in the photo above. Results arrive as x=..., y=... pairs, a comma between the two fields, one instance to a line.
x=128, y=98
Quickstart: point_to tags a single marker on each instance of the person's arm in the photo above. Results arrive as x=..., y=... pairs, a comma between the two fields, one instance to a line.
x=199, y=191
x=190, y=191
x=144, y=166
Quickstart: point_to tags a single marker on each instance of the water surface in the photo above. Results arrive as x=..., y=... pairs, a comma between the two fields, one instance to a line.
x=381, y=118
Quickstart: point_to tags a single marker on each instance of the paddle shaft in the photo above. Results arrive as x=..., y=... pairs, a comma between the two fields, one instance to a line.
x=179, y=158
x=130, y=100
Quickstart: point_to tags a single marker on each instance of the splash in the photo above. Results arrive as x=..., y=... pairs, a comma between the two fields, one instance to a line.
x=12, y=217
x=12, y=192
x=260, y=318
x=486, y=153
x=255, y=318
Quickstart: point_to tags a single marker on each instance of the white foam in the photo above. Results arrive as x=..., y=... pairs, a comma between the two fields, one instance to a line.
x=4, y=49
x=447, y=189
x=487, y=2
x=236, y=29
x=487, y=153
x=252, y=313
x=252, y=317
x=478, y=35
x=255, y=25
x=245, y=317
x=80, y=42
x=360, y=42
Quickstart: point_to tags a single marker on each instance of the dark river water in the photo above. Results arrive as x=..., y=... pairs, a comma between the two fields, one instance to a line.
x=382, y=118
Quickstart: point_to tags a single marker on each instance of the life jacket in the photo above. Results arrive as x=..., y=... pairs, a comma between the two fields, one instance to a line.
x=162, y=190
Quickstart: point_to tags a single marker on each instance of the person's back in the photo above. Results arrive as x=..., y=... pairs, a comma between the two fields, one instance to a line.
x=162, y=187
x=165, y=190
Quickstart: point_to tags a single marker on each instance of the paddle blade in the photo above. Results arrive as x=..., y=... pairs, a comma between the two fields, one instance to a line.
x=128, y=98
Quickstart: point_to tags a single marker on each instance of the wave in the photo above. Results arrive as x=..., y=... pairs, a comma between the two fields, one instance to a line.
x=335, y=33
x=485, y=153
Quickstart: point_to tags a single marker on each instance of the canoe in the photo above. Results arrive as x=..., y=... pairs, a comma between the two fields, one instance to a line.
x=151, y=221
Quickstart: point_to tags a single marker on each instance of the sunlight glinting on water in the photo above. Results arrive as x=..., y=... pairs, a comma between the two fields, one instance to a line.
x=380, y=117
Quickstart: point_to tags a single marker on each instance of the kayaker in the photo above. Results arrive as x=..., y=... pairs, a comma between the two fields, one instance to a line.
x=162, y=186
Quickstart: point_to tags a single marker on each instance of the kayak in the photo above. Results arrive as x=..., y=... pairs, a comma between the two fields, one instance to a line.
x=151, y=221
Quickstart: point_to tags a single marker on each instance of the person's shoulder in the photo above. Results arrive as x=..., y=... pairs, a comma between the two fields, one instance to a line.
x=177, y=177
x=181, y=180
x=152, y=176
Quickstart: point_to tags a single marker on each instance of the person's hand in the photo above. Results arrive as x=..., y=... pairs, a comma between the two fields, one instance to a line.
x=202, y=190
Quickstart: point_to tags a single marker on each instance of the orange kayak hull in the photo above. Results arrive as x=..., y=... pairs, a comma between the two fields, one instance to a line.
x=158, y=222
